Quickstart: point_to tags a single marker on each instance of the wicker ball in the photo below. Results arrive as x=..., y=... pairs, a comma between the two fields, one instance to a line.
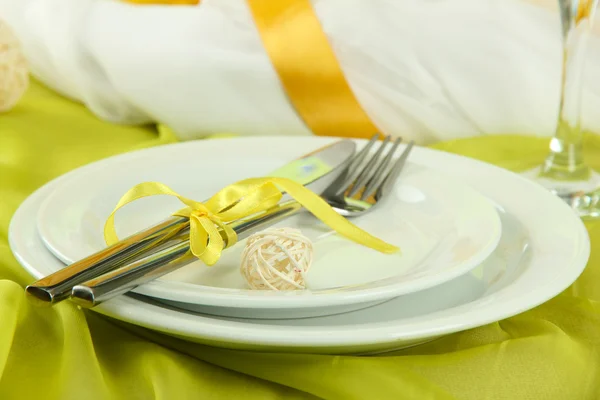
x=14, y=73
x=277, y=259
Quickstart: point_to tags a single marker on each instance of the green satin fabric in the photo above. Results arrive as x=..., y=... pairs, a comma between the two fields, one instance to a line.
x=551, y=352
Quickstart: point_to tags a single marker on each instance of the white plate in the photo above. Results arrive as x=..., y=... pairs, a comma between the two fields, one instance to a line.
x=545, y=247
x=444, y=228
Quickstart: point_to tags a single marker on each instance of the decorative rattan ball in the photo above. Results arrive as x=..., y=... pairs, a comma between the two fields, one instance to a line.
x=277, y=259
x=14, y=73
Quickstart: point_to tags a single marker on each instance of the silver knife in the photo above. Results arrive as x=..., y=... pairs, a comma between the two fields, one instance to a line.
x=316, y=170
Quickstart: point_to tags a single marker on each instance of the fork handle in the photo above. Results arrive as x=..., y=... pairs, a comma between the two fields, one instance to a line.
x=57, y=286
x=128, y=277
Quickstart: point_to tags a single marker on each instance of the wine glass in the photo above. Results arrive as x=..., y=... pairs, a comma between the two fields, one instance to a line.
x=565, y=172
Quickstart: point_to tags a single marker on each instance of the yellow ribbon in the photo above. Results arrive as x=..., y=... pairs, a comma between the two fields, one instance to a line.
x=239, y=200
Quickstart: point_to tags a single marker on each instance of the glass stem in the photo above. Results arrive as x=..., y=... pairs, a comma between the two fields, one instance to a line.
x=565, y=161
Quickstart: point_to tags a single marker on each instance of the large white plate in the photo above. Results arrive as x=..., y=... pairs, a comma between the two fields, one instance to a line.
x=544, y=249
x=444, y=227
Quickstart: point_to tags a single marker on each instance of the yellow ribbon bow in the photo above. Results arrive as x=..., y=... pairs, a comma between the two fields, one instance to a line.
x=236, y=201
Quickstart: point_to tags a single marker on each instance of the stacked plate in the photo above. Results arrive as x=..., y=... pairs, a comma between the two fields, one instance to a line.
x=479, y=244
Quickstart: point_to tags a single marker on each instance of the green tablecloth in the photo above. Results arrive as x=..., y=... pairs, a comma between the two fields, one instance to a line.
x=551, y=352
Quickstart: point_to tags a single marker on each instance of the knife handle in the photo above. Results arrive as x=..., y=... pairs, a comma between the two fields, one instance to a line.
x=128, y=277
x=57, y=286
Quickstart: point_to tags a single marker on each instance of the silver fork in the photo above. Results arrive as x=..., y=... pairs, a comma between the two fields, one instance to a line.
x=366, y=181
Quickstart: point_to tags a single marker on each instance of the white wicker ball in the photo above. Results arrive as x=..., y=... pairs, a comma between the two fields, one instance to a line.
x=14, y=73
x=277, y=259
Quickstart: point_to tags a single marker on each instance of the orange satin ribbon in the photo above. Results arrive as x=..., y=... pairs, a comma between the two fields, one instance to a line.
x=308, y=69
x=584, y=10
x=306, y=66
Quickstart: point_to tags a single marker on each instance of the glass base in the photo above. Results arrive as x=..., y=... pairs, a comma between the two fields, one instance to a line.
x=582, y=195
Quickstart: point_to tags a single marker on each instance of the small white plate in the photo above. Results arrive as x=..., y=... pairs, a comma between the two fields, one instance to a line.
x=545, y=247
x=444, y=228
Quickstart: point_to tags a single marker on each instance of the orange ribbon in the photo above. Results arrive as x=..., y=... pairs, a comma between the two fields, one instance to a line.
x=306, y=66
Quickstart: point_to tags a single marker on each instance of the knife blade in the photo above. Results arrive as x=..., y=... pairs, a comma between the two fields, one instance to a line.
x=316, y=170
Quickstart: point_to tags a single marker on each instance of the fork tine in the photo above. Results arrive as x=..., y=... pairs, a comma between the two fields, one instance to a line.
x=380, y=174
x=367, y=172
x=354, y=167
x=392, y=176
x=358, y=159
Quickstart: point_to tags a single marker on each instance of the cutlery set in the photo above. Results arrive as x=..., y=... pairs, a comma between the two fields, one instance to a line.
x=163, y=248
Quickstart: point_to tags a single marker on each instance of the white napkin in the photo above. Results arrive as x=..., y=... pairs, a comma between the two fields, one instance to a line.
x=425, y=69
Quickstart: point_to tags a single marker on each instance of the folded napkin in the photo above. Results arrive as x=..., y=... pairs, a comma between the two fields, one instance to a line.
x=551, y=352
x=426, y=70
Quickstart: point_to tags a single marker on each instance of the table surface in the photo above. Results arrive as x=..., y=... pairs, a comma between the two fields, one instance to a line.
x=551, y=352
